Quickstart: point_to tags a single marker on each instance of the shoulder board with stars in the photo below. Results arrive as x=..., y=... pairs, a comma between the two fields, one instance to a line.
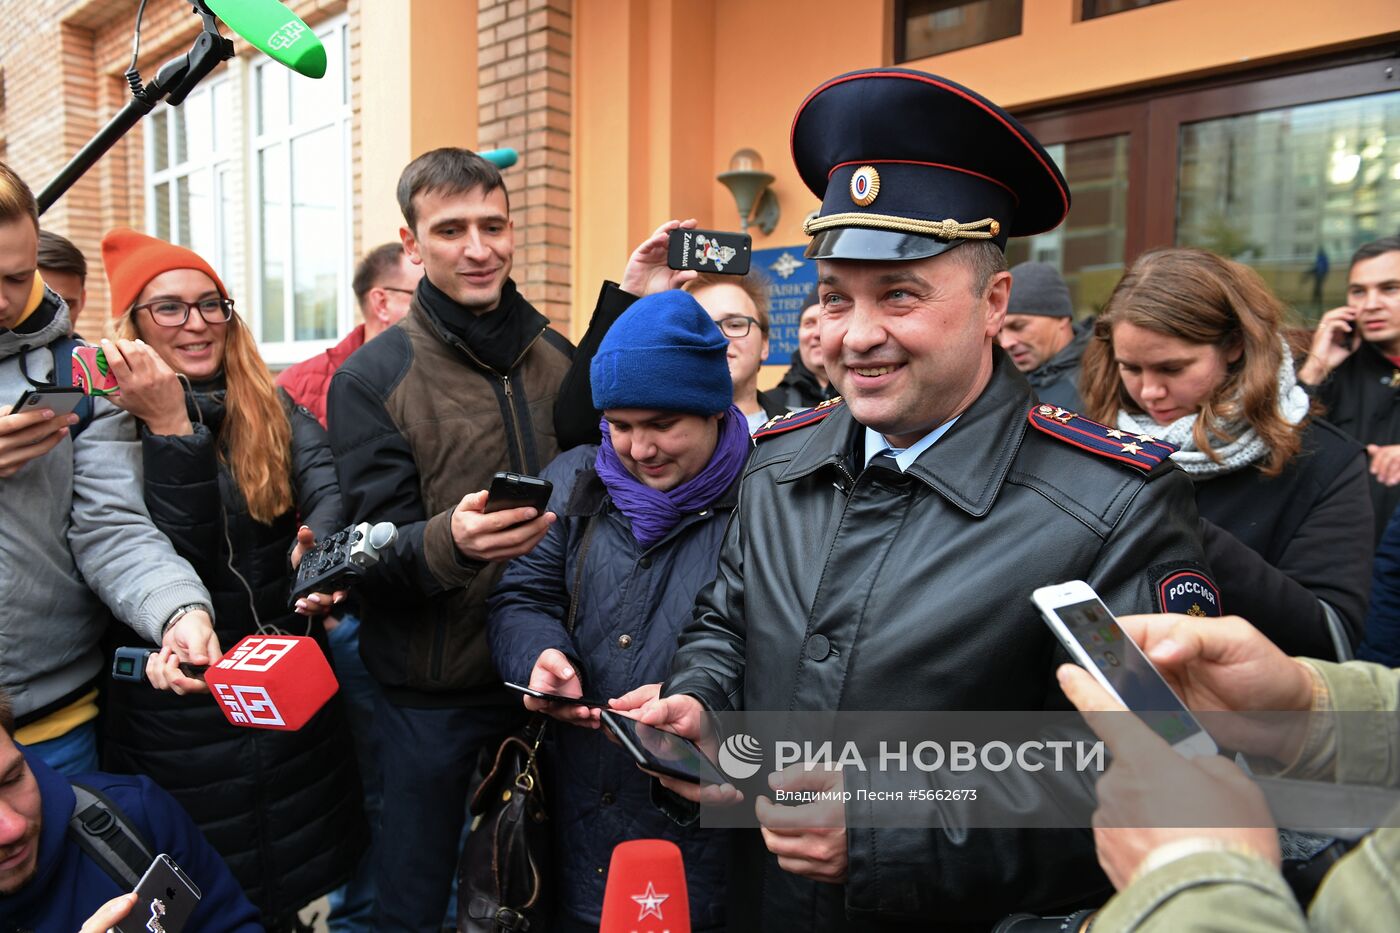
x=796, y=419
x=1142, y=451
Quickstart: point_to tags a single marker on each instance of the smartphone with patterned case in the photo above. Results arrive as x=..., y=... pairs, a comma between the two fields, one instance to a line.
x=709, y=251
x=91, y=372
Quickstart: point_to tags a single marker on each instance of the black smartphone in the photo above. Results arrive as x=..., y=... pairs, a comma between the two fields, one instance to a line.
x=517, y=491
x=663, y=752
x=166, y=898
x=558, y=698
x=62, y=400
x=709, y=251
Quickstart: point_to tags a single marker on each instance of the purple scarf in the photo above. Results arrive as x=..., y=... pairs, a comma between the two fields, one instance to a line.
x=654, y=513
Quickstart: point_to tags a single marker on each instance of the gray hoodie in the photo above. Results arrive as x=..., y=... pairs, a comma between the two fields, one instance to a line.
x=75, y=534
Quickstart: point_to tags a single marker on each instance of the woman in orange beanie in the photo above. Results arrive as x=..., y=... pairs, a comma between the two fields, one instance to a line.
x=235, y=474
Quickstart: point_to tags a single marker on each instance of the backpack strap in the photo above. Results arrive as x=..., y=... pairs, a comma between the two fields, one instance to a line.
x=63, y=378
x=108, y=836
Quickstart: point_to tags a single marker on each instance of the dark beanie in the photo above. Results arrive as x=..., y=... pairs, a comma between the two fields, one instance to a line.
x=663, y=353
x=1036, y=288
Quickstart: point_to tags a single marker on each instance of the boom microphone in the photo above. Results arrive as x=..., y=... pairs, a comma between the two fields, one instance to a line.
x=275, y=30
x=272, y=682
x=646, y=889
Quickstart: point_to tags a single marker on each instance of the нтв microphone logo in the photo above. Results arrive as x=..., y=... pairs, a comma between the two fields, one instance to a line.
x=741, y=756
x=287, y=36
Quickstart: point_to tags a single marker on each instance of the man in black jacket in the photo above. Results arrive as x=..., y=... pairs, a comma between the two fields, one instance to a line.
x=884, y=549
x=1354, y=365
x=420, y=419
x=1039, y=334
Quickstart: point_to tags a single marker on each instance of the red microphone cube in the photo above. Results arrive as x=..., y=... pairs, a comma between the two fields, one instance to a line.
x=646, y=889
x=272, y=682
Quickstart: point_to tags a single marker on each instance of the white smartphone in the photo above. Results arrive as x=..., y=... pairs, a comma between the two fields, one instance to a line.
x=1094, y=638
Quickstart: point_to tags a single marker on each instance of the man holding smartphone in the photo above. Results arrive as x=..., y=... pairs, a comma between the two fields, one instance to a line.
x=77, y=534
x=420, y=419
x=1353, y=367
x=49, y=881
x=901, y=533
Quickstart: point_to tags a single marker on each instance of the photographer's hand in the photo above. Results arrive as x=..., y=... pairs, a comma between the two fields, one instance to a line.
x=312, y=604
x=1149, y=783
x=647, y=272
x=1228, y=665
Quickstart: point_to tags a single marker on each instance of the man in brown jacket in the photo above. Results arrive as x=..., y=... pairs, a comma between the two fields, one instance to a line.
x=420, y=418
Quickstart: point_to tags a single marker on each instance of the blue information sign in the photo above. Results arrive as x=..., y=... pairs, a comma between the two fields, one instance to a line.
x=791, y=278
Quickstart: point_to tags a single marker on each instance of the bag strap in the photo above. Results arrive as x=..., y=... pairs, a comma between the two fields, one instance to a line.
x=63, y=378
x=578, y=573
x=109, y=838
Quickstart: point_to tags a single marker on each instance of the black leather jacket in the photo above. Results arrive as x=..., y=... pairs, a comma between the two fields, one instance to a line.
x=864, y=589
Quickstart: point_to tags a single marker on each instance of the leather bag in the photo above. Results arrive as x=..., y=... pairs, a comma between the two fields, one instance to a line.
x=503, y=883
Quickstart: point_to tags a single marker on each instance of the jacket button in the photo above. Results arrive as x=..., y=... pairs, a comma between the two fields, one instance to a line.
x=818, y=647
x=624, y=641
x=645, y=562
x=608, y=798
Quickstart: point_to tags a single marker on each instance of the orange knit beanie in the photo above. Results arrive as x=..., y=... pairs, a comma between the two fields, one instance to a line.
x=132, y=259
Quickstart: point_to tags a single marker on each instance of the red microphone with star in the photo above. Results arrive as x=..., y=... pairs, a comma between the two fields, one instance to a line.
x=646, y=889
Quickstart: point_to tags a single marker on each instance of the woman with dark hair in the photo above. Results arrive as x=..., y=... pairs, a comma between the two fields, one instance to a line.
x=234, y=475
x=1190, y=349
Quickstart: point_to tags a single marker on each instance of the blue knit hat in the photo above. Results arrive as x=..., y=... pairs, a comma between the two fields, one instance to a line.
x=663, y=353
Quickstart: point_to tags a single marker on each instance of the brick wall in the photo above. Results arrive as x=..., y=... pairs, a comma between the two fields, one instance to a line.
x=63, y=65
x=525, y=57
x=62, y=80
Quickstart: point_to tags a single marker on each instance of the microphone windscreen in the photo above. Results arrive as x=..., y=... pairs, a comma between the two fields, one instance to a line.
x=275, y=30
x=272, y=682
x=501, y=158
x=646, y=891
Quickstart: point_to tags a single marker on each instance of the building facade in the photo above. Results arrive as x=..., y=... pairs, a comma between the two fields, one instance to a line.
x=1268, y=130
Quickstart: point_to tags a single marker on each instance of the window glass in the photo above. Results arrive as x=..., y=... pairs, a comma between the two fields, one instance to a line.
x=932, y=27
x=1293, y=192
x=1090, y=9
x=316, y=216
x=274, y=248
x=303, y=211
x=1088, y=247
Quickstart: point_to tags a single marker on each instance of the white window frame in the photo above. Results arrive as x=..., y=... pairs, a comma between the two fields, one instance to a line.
x=216, y=163
x=282, y=350
x=241, y=154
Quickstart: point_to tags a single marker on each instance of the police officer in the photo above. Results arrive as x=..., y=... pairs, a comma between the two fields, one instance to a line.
x=885, y=547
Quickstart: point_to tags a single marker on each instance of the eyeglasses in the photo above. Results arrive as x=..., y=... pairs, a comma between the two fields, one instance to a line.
x=736, y=326
x=172, y=312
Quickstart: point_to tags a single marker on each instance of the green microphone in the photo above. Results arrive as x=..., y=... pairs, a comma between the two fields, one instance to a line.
x=275, y=30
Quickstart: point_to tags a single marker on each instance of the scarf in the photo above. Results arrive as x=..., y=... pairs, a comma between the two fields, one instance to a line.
x=497, y=338
x=1247, y=447
x=653, y=513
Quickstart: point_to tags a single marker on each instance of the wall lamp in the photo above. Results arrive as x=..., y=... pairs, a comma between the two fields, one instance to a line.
x=748, y=182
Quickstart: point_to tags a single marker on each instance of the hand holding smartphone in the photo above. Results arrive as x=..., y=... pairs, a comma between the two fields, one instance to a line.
x=517, y=491
x=709, y=251
x=165, y=899
x=1098, y=643
x=591, y=702
x=663, y=752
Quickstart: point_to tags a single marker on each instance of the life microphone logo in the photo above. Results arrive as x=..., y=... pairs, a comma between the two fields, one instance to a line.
x=741, y=756
x=287, y=36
